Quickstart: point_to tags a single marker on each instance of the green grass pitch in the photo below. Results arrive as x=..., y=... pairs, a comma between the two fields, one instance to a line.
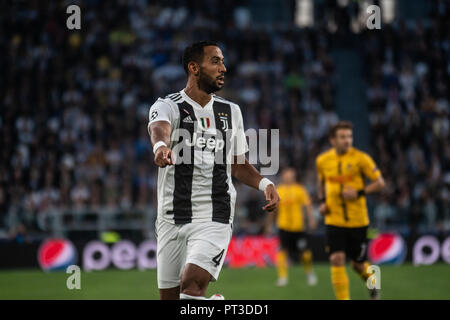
x=397, y=282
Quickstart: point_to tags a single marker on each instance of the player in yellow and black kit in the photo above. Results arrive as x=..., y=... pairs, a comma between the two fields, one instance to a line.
x=342, y=192
x=291, y=227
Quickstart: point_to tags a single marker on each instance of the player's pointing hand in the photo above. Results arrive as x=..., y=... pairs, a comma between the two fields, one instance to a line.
x=163, y=157
x=271, y=196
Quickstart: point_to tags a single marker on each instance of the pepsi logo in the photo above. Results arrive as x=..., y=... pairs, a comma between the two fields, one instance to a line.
x=56, y=254
x=387, y=248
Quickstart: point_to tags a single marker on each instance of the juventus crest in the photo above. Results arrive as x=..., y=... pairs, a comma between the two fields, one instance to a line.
x=224, y=119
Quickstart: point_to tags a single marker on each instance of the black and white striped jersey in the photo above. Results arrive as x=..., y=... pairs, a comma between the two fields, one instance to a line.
x=198, y=187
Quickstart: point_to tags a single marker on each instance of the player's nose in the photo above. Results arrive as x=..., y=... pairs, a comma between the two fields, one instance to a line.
x=222, y=69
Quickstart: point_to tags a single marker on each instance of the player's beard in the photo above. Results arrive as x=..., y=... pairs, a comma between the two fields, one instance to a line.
x=343, y=149
x=207, y=83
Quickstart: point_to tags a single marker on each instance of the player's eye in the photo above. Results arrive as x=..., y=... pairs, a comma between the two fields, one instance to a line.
x=216, y=61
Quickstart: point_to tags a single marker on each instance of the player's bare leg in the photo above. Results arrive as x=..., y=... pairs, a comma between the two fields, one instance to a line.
x=337, y=259
x=170, y=293
x=339, y=277
x=361, y=269
x=194, y=281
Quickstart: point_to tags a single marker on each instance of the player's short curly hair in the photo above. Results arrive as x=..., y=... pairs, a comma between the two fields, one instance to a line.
x=194, y=52
x=340, y=125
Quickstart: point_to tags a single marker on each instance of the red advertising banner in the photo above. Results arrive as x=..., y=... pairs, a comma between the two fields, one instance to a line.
x=251, y=251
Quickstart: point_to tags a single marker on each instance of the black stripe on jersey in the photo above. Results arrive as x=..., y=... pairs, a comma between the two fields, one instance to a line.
x=221, y=201
x=182, y=204
x=344, y=205
x=178, y=99
x=175, y=97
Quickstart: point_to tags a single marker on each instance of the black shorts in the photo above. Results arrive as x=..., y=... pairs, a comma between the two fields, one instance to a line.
x=293, y=242
x=353, y=241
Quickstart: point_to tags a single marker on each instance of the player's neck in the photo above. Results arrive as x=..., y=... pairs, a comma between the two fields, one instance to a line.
x=341, y=152
x=199, y=96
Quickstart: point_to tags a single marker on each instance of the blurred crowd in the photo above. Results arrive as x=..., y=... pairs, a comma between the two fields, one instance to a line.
x=74, y=104
x=408, y=77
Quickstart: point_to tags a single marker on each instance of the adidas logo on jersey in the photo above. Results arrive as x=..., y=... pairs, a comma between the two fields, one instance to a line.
x=188, y=119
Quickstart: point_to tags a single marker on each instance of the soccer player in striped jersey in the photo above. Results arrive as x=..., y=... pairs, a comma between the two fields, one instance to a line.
x=199, y=144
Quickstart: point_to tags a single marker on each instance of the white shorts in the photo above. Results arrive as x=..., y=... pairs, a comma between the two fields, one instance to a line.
x=204, y=244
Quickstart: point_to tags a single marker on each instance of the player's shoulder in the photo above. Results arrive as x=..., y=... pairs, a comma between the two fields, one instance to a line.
x=360, y=154
x=170, y=101
x=220, y=99
x=299, y=186
x=173, y=98
x=325, y=155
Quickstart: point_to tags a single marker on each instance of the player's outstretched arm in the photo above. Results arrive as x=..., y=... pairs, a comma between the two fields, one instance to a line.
x=247, y=174
x=159, y=132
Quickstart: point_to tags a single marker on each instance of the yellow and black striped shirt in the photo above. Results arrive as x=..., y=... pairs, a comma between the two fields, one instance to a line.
x=337, y=172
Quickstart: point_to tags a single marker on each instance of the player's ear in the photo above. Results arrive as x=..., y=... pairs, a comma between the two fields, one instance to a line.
x=194, y=68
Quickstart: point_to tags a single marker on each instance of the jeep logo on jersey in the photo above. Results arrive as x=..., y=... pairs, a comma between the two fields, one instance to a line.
x=210, y=143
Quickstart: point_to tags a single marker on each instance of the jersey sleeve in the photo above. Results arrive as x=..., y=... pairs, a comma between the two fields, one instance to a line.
x=305, y=197
x=240, y=145
x=319, y=170
x=369, y=167
x=160, y=111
